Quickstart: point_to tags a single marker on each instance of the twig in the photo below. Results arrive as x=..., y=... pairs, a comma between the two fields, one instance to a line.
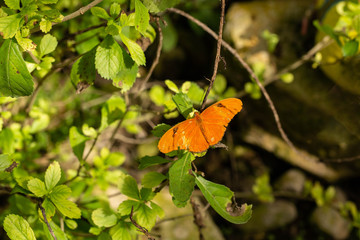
x=173, y=218
x=198, y=219
x=156, y=60
x=11, y=167
x=248, y=69
x=46, y=221
x=75, y=14
x=140, y=228
x=217, y=57
x=341, y=160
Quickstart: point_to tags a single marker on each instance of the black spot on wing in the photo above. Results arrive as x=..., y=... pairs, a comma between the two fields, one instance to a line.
x=220, y=105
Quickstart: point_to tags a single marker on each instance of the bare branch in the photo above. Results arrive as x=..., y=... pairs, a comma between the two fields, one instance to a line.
x=46, y=221
x=217, y=57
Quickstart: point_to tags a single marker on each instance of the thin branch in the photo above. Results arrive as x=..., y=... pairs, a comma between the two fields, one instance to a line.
x=198, y=218
x=156, y=60
x=217, y=57
x=140, y=228
x=75, y=14
x=248, y=69
x=46, y=221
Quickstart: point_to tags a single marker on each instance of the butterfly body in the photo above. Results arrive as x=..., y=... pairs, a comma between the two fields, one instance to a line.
x=203, y=130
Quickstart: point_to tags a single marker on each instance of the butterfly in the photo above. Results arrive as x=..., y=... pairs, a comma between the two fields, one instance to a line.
x=205, y=129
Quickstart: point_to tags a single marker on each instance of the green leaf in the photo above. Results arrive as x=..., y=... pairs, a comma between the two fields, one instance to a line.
x=48, y=44
x=52, y=175
x=9, y=26
x=15, y=79
x=142, y=17
x=181, y=183
x=123, y=230
x=25, y=43
x=5, y=162
x=77, y=142
x=148, y=161
x=195, y=93
x=13, y=4
x=172, y=86
x=287, y=77
x=37, y=187
x=317, y=192
x=67, y=208
x=157, y=95
x=129, y=187
x=350, y=48
x=126, y=77
x=48, y=1
x=60, y=192
x=7, y=141
x=112, y=110
x=17, y=228
x=72, y=224
x=103, y=218
x=220, y=84
x=60, y=235
x=45, y=25
x=109, y=58
x=263, y=189
x=219, y=197
x=100, y=12
x=146, y=194
x=183, y=104
x=145, y=216
x=115, y=10
x=156, y=6
x=125, y=207
x=137, y=54
x=152, y=179
x=49, y=208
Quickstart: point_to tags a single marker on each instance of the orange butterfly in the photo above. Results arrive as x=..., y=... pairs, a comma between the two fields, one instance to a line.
x=203, y=130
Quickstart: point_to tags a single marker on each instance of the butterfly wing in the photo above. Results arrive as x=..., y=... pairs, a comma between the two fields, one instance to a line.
x=216, y=118
x=184, y=136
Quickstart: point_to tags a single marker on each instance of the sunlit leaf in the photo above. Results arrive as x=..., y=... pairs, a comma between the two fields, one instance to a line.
x=103, y=218
x=52, y=175
x=17, y=228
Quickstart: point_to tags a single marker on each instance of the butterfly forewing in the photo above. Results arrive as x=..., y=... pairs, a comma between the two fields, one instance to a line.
x=206, y=129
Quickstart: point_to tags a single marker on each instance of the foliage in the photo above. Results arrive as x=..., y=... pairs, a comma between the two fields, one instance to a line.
x=76, y=111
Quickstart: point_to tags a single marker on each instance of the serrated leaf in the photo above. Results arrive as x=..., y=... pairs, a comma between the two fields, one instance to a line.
x=145, y=216
x=129, y=187
x=48, y=44
x=142, y=17
x=125, y=207
x=37, y=187
x=77, y=142
x=67, y=208
x=181, y=183
x=13, y=4
x=137, y=54
x=52, y=175
x=109, y=58
x=5, y=162
x=15, y=79
x=183, y=104
x=100, y=12
x=115, y=9
x=148, y=161
x=146, y=194
x=9, y=25
x=25, y=43
x=220, y=197
x=152, y=179
x=17, y=228
x=103, y=218
x=45, y=25
x=126, y=77
x=123, y=230
x=156, y=6
x=60, y=192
